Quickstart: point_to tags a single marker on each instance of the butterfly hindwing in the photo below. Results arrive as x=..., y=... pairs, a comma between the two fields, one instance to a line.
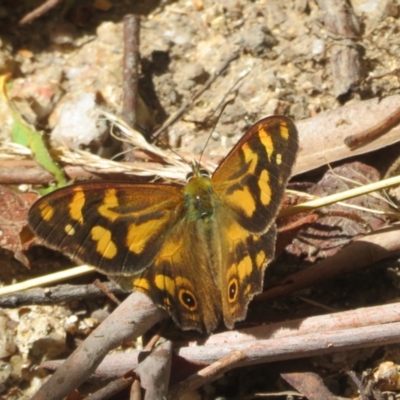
x=182, y=279
x=245, y=256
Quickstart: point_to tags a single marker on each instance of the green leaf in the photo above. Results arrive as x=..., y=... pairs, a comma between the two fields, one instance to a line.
x=26, y=135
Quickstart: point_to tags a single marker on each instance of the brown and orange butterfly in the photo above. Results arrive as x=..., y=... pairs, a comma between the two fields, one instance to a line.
x=198, y=250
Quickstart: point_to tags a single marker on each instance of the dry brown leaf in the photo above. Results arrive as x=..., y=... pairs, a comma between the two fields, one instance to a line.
x=14, y=209
x=322, y=137
x=337, y=225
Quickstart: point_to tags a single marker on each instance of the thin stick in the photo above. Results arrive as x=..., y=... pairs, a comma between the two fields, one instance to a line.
x=45, y=280
x=131, y=62
x=359, y=139
x=58, y=294
x=207, y=374
x=112, y=388
x=38, y=11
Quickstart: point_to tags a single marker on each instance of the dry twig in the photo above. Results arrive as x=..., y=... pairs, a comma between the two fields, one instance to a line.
x=309, y=384
x=131, y=62
x=360, y=139
x=133, y=317
x=58, y=294
x=113, y=388
x=38, y=11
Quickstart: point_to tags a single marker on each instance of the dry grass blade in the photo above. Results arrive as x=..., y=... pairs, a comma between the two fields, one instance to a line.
x=47, y=279
x=136, y=139
x=334, y=198
x=13, y=151
x=92, y=162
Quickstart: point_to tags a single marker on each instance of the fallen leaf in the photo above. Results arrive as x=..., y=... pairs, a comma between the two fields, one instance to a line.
x=14, y=209
x=322, y=136
x=337, y=225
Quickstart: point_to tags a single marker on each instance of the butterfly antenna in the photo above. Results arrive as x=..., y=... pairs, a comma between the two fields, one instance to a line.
x=230, y=101
x=223, y=104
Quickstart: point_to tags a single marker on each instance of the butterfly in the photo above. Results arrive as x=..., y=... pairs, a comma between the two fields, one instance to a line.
x=199, y=250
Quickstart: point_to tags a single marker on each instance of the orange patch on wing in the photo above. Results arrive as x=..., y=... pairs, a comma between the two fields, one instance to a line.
x=284, y=131
x=267, y=142
x=166, y=283
x=110, y=201
x=250, y=157
x=243, y=199
x=105, y=246
x=76, y=205
x=141, y=284
x=69, y=230
x=139, y=235
x=265, y=188
x=46, y=212
x=236, y=233
x=260, y=258
x=245, y=267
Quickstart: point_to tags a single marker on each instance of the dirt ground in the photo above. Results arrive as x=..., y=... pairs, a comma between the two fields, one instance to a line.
x=281, y=62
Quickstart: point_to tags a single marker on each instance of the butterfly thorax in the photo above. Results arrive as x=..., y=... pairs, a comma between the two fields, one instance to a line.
x=199, y=199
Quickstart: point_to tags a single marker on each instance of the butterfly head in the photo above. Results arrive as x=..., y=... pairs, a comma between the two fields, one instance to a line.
x=197, y=172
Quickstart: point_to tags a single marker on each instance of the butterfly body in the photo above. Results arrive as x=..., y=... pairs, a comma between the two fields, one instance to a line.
x=199, y=196
x=198, y=250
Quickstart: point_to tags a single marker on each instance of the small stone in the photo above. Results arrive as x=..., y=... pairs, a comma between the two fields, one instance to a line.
x=77, y=123
x=259, y=41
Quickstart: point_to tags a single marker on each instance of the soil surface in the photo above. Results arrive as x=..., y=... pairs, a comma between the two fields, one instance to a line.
x=280, y=58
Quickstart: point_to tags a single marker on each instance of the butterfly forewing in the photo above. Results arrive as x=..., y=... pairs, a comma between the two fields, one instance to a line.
x=251, y=180
x=117, y=228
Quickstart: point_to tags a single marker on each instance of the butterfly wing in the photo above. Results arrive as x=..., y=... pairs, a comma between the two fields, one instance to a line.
x=181, y=279
x=119, y=229
x=251, y=180
x=141, y=237
x=244, y=259
x=249, y=186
